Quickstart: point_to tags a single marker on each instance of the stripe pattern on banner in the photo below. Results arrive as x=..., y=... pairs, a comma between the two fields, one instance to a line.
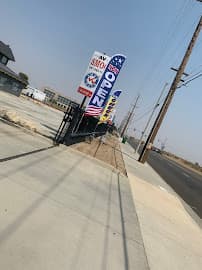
x=104, y=87
x=93, y=110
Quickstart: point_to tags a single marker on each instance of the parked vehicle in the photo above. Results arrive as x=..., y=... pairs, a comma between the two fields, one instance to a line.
x=157, y=150
x=34, y=93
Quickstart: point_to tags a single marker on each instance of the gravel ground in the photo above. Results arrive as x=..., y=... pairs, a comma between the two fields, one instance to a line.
x=107, y=150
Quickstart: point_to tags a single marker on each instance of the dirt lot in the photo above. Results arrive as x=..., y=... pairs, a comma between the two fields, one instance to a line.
x=107, y=150
x=30, y=114
x=42, y=119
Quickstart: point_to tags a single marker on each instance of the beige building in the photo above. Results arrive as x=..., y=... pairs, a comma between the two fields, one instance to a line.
x=57, y=98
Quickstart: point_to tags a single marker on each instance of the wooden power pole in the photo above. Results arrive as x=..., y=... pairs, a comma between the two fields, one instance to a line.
x=129, y=116
x=169, y=97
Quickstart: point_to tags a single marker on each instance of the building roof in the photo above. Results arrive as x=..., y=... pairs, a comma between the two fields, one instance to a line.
x=4, y=69
x=6, y=50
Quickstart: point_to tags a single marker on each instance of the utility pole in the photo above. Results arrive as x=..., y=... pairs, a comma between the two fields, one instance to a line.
x=129, y=116
x=174, y=85
x=149, y=120
x=163, y=144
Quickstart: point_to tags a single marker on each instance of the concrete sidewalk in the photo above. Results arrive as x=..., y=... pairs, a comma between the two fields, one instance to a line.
x=60, y=209
x=171, y=237
x=15, y=141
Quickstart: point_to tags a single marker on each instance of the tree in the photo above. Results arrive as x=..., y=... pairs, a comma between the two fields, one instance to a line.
x=23, y=76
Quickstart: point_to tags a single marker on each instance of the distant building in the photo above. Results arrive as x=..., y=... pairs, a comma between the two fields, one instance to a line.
x=34, y=93
x=9, y=80
x=57, y=98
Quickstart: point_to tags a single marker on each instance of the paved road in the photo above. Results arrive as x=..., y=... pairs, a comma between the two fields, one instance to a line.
x=187, y=184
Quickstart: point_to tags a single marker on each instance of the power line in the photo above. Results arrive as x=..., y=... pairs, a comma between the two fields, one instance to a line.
x=142, y=116
x=181, y=41
x=174, y=51
x=174, y=85
x=193, y=70
x=194, y=75
x=151, y=116
x=186, y=6
x=187, y=82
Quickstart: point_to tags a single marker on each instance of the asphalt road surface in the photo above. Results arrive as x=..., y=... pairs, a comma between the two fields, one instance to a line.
x=186, y=183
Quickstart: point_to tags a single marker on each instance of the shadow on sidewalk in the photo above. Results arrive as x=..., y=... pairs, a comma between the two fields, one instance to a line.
x=10, y=229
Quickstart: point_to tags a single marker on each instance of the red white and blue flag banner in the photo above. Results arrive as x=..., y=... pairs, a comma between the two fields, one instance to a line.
x=105, y=85
x=96, y=68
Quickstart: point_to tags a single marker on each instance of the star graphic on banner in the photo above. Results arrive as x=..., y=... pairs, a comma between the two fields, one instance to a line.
x=118, y=61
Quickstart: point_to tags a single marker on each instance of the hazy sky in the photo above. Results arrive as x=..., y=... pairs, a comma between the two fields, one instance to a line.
x=53, y=41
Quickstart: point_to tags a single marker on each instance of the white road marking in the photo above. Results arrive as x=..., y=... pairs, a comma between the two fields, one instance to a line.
x=162, y=188
x=169, y=164
x=185, y=174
